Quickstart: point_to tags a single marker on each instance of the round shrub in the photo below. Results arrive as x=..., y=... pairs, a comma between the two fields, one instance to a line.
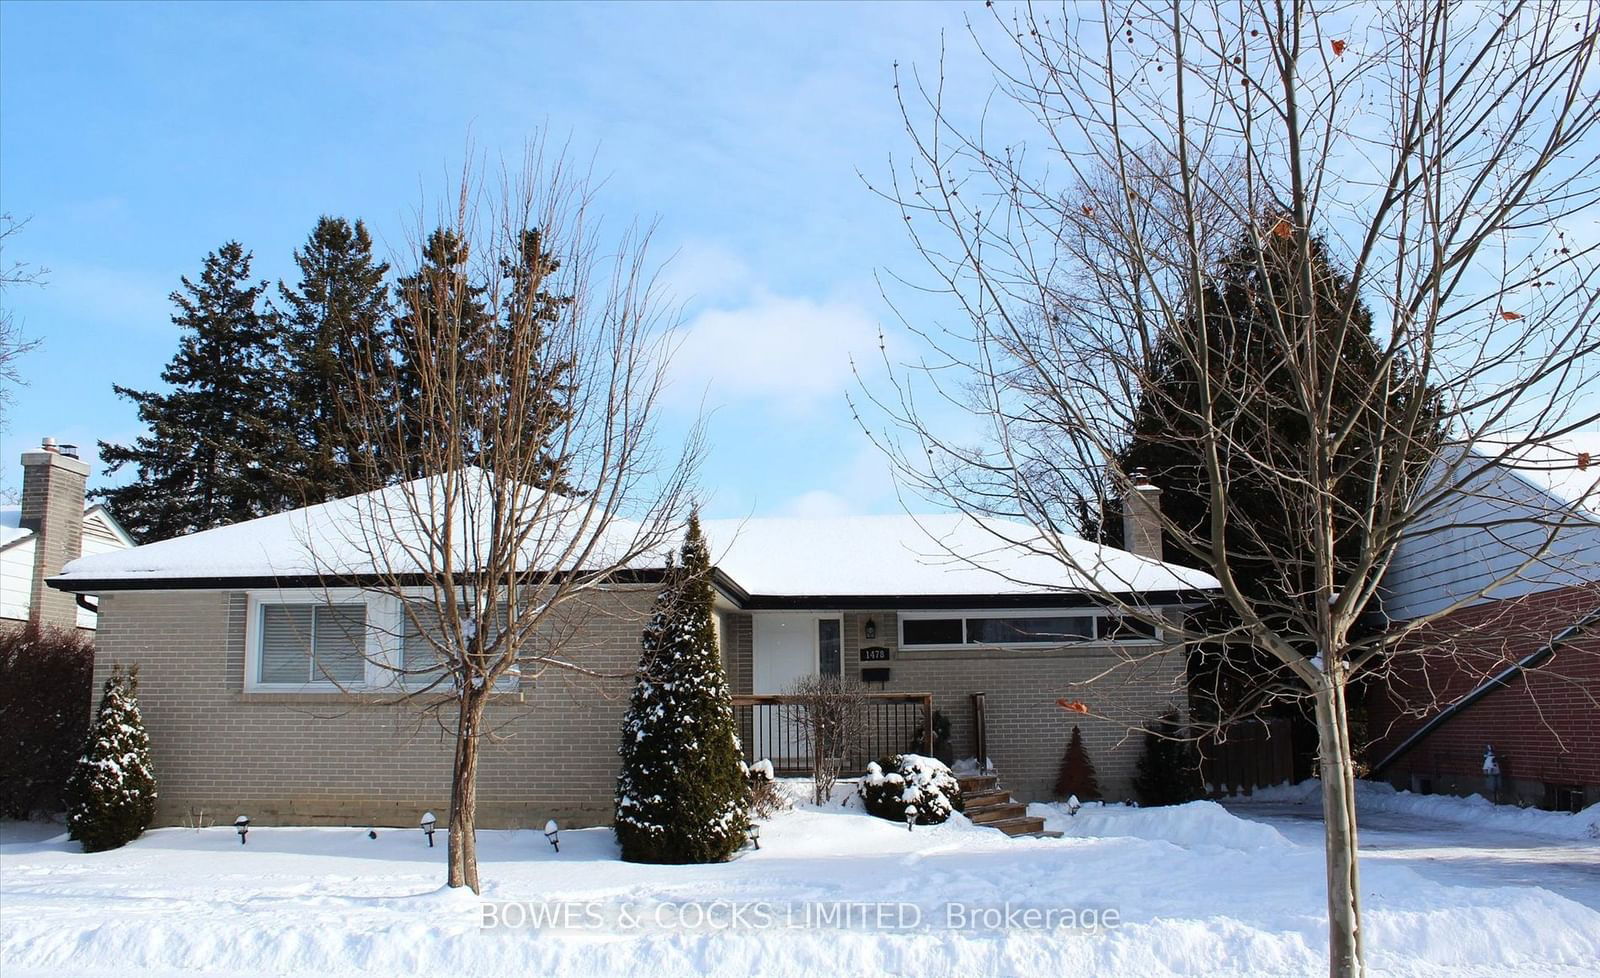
x=911, y=788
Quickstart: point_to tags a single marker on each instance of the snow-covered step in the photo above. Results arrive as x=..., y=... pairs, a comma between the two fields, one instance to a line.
x=1021, y=825
x=971, y=783
x=986, y=803
x=978, y=799
x=988, y=814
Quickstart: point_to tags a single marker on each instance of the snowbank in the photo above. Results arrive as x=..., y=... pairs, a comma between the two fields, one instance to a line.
x=1197, y=892
x=1475, y=810
x=1199, y=823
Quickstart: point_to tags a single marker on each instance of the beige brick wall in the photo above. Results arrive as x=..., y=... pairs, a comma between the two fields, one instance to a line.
x=1028, y=732
x=52, y=506
x=298, y=758
x=328, y=758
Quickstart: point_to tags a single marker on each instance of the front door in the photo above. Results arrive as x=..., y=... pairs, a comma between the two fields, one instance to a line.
x=786, y=649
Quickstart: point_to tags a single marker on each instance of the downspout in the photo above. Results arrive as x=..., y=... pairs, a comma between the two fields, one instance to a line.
x=1488, y=686
x=83, y=602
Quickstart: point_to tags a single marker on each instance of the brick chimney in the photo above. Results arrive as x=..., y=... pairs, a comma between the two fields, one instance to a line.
x=53, y=481
x=1141, y=516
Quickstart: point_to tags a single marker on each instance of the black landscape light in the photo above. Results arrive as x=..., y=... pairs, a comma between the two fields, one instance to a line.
x=550, y=830
x=241, y=825
x=753, y=833
x=428, y=822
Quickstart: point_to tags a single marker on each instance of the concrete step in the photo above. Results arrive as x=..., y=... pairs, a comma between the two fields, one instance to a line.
x=1020, y=825
x=996, y=813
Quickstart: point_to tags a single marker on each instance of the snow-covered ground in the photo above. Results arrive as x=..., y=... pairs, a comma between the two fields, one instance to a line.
x=1195, y=890
x=1461, y=841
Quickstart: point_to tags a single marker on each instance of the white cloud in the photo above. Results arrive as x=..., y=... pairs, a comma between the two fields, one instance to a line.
x=702, y=272
x=791, y=353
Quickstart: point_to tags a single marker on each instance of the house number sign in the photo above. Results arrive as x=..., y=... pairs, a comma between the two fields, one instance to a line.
x=875, y=653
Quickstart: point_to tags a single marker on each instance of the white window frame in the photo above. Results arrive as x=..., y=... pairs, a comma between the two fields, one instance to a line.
x=375, y=653
x=382, y=654
x=962, y=615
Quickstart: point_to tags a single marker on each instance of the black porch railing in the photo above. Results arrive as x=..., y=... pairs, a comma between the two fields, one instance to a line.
x=783, y=730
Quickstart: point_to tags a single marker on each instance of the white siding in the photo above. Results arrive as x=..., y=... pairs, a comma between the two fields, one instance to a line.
x=98, y=538
x=1497, y=525
x=16, y=575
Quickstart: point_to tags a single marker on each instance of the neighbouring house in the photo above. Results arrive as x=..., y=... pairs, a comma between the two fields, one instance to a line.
x=1510, y=564
x=51, y=527
x=235, y=638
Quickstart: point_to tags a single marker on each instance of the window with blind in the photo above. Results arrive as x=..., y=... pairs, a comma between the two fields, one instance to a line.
x=420, y=662
x=313, y=643
x=420, y=632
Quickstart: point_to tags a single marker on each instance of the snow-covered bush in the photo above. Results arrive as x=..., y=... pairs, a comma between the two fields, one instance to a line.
x=911, y=788
x=111, y=795
x=761, y=789
x=681, y=797
x=46, y=689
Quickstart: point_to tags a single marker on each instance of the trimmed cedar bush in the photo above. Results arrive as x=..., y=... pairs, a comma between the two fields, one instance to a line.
x=1076, y=778
x=1169, y=768
x=46, y=692
x=111, y=796
x=911, y=788
x=681, y=797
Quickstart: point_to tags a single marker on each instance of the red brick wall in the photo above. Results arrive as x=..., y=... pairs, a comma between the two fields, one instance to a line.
x=1544, y=724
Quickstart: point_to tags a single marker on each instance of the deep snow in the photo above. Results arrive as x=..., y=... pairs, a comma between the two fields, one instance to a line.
x=1199, y=891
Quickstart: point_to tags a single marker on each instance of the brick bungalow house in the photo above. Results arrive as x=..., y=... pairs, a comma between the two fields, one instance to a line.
x=1513, y=666
x=241, y=720
x=52, y=526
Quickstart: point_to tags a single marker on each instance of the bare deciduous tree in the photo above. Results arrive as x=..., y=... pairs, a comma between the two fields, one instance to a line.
x=829, y=715
x=531, y=423
x=13, y=344
x=1444, y=156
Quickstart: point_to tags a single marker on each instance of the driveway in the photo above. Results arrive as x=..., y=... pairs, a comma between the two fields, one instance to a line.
x=1449, y=852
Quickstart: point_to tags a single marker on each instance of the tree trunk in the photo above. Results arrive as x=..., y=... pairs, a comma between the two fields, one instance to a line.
x=463, y=854
x=1345, y=959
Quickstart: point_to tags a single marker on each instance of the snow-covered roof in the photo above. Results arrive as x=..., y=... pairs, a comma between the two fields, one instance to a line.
x=937, y=555
x=11, y=525
x=383, y=531
x=941, y=555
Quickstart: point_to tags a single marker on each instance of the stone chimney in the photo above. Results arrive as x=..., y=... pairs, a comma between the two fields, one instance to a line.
x=1141, y=516
x=53, y=481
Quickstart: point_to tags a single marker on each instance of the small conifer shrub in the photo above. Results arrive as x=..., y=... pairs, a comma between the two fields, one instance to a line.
x=111, y=794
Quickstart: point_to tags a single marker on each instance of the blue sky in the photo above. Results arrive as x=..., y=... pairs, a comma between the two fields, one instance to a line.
x=137, y=138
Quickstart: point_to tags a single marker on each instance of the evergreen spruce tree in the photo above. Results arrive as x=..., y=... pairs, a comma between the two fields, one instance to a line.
x=533, y=302
x=1076, y=778
x=1251, y=285
x=440, y=306
x=681, y=797
x=111, y=795
x=213, y=444
x=332, y=333
x=1169, y=769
